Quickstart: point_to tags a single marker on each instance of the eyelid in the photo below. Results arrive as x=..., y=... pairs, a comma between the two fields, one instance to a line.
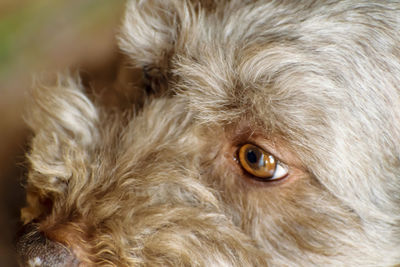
x=266, y=148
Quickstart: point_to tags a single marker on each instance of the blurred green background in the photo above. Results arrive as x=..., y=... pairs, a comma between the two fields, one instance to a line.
x=41, y=36
x=46, y=33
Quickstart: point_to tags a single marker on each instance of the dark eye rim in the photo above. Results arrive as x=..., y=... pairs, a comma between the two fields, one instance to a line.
x=253, y=177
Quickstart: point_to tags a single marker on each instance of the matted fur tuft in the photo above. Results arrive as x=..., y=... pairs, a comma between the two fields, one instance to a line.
x=65, y=126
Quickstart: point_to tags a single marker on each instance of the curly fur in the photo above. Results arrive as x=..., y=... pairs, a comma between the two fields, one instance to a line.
x=314, y=82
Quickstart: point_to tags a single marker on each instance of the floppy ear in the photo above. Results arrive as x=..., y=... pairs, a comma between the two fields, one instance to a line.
x=150, y=36
x=64, y=123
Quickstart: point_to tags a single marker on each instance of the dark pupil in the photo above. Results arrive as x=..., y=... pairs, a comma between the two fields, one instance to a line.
x=252, y=157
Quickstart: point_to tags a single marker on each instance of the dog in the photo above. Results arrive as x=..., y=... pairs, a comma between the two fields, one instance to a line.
x=268, y=135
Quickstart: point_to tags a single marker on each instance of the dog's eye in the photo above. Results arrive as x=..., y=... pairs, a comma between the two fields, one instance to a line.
x=260, y=163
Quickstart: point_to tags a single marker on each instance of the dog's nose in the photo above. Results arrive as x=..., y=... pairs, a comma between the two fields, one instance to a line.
x=34, y=249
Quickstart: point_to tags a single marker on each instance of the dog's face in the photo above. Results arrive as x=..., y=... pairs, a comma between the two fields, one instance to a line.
x=270, y=136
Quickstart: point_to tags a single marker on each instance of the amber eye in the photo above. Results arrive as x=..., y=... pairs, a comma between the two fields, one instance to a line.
x=260, y=164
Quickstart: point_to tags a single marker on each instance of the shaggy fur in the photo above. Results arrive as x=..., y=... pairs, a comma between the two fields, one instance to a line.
x=315, y=83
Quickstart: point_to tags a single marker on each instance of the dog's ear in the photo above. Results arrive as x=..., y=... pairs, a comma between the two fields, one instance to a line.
x=150, y=35
x=64, y=124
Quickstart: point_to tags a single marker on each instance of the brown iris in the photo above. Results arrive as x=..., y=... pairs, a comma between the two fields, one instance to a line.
x=257, y=162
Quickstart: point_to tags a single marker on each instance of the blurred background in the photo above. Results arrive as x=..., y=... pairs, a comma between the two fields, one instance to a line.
x=39, y=36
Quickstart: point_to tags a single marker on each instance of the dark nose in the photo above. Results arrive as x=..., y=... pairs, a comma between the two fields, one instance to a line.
x=34, y=249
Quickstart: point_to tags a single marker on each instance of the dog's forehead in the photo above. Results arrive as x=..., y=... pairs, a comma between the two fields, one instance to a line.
x=262, y=82
x=273, y=60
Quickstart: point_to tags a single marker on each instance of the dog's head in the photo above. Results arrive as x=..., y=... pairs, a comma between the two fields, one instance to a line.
x=270, y=135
